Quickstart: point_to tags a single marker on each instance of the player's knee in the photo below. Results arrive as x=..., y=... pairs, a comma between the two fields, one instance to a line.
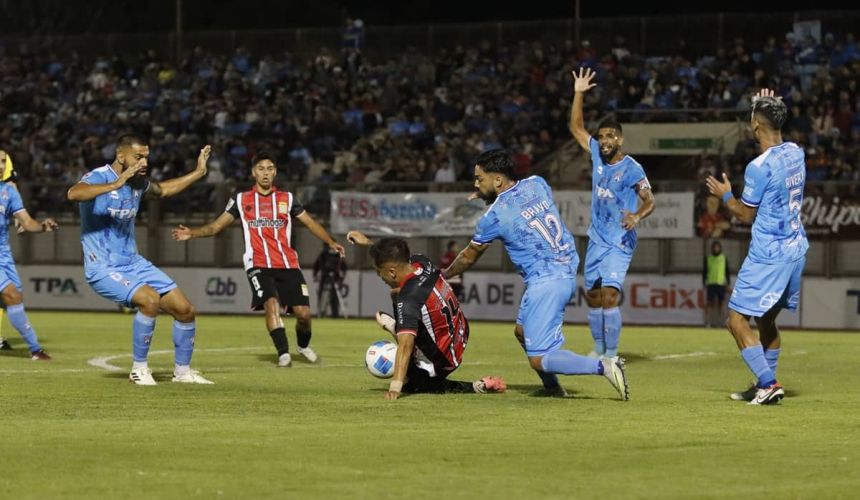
x=185, y=313
x=147, y=303
x=609, y=297
x=592, y=297
x=535, y=362
x=303, y=316
x=11, y=296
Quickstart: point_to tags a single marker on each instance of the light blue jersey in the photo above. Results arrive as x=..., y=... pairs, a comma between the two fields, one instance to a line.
x=773, y=183
x=615, y=188
x=527, y=221
x=10, y=204
x=107, y=225
x=771, y=274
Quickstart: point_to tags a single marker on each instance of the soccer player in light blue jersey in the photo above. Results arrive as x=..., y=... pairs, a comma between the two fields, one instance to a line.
x=12, y=208
x=109, y=198
x=769, y=279
x=523, y=215
x=620, y=198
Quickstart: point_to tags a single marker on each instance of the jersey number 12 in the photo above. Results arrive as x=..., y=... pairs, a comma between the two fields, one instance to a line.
x=547, y=227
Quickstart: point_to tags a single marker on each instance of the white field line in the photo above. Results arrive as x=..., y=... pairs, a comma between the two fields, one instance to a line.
x=104, y=362
x=696, y=354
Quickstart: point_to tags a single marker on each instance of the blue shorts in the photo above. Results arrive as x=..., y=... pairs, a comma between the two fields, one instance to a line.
x=761, y=287
x=542, y=314
x=123, y=281
x=605, y=266
x=9, y=275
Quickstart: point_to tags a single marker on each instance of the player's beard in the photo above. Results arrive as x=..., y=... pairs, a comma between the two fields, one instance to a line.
x=488, y=198
x=610, y=155
x=137, y=181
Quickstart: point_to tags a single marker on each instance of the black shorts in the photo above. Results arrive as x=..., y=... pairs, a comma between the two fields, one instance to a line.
x=716, y=292
x=287, y=285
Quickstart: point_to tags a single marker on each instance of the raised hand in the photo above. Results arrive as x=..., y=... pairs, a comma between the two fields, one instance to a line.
x=582, y=82
x=718, y=188
x=203, y=157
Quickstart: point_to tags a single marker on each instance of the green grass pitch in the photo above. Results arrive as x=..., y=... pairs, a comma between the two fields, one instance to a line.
x=73, y=430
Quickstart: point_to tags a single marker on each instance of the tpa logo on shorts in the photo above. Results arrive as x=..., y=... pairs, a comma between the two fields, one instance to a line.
x=305, y=290
x=769, y=300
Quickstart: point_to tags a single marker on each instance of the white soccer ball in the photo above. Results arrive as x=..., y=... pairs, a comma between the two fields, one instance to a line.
x=379, y=358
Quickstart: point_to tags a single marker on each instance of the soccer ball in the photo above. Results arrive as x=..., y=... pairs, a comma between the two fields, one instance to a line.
x=379, y=358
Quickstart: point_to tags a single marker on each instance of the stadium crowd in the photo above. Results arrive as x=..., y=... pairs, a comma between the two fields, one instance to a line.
x=419, y=117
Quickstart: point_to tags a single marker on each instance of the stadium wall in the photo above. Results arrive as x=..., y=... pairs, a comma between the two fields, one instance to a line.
x=675, y=299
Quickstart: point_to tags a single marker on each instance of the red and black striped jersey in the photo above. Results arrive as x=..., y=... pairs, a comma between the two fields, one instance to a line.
x=267, y=224
x=427, y=308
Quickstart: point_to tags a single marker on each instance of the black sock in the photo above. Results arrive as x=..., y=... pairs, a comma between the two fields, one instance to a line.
x=279, y=338
x=303, y=336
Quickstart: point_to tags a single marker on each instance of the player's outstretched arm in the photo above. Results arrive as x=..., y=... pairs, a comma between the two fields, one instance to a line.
x=723, y=190
x=183, y=233
x=466, y=259
x=175, y=186
x=320, y=232
x=84, y=191
x=405, y=346
x=582, y=83
x=31, y=225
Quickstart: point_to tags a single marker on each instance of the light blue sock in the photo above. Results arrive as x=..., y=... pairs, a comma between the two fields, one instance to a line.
x=595, y=322
x=141, y=336
x=754, y=358
x=18, y=318
x=772, y=356
x=612, y=330
x=569, y=363
x=183, y=340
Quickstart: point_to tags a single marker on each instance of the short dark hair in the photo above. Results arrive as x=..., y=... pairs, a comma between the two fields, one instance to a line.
x=497, y=161
x=129, y=140
x=262, y=155
x=390, y=250
x=611, y=123
x=773, y=110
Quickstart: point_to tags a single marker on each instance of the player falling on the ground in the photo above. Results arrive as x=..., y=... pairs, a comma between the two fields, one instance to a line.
x=769, y=278
x=524, y=216
x=618, y=185
x=12, y=208
x=430, y=328
x=271, y=262
x=109, y=198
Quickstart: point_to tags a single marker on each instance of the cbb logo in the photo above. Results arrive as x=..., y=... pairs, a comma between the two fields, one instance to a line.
x=219, y=288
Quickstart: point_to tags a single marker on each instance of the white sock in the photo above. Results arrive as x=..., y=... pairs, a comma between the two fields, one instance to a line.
x=135, y=365
x=179, y=370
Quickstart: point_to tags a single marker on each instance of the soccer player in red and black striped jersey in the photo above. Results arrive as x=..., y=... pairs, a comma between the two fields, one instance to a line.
x=272, y=264
x=430, y=329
